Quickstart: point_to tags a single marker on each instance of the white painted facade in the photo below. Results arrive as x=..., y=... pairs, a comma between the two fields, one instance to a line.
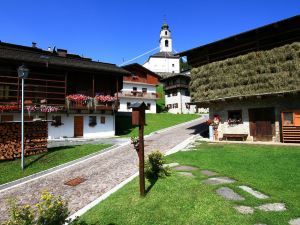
x=178, y=104
x=126, y=96
x=163, y=65
x=67, y=128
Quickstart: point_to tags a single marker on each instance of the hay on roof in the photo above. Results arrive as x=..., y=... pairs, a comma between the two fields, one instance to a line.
x=270, y=71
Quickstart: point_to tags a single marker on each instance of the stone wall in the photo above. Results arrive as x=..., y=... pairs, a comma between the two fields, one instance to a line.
x=35, y=135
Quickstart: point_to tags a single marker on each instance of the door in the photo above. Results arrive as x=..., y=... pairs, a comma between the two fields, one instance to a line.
x=78, y=126
x=262, y=124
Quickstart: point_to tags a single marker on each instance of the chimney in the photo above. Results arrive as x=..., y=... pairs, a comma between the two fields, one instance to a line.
x=62, y=52
x=33, y=45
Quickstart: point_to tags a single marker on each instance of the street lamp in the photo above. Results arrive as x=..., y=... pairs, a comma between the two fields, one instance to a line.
x=22, y=73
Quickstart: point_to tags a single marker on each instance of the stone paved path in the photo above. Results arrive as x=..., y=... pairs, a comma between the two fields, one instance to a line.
x=102, y=172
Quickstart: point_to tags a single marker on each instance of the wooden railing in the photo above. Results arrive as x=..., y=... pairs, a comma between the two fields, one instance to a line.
x=291, y=134
x=49, y=91
x=138, y=94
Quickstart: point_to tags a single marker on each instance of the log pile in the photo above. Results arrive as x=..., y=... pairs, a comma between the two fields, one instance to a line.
x=35, y=139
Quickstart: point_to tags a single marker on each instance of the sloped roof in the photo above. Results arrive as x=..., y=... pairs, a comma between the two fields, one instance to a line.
x=24, y=54
x=165, y=55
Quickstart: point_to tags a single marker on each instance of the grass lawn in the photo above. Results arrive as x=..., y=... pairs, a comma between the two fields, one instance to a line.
x=154, y=122
x=273, y=170
x=11, y=170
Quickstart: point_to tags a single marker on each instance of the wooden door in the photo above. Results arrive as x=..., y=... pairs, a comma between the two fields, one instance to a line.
x=262, y=124
x=78, y=126
x=297, y=118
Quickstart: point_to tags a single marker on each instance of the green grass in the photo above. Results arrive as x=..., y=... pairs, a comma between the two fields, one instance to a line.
x=154, y=122
x=273, y=170
x=11, y=170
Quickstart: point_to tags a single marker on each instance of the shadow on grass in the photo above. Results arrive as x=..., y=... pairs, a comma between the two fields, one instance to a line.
x=152, y=183
x=50, y=151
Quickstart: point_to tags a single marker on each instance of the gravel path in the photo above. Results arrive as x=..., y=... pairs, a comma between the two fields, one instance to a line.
x=102, y=172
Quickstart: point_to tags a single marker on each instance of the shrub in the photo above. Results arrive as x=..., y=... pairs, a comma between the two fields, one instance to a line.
x=20, y=215
x=154, y=166
x=51, y=210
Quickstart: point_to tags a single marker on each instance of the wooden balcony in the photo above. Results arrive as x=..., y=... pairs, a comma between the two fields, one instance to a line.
x=176, y=86
x=138, y=94
x=109, y=106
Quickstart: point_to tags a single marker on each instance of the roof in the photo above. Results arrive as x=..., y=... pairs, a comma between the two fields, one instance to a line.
x=25, y=54
x=136, y=65
x=174, y=75
x=263, y=38
x=164, y=55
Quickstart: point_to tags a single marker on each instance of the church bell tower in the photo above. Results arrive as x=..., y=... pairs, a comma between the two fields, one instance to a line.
x=165, y=41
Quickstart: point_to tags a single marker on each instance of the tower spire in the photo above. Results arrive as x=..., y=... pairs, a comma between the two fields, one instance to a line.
x=165, y=41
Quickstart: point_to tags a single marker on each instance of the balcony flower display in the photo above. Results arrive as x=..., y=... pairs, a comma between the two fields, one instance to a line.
x=104, y=98
x=4, y=108
x=79, y=99
x=49, y=109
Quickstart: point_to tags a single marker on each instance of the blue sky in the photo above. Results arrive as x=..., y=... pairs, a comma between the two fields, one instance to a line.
x=115, y=30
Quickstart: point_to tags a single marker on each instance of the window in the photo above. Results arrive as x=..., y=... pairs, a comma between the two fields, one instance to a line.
x=173, y=65
x=5, y=118
x=128, y=105
x=148, y=106
x=187, y=106
x=166, y=43
x=174, y=94
x=169, y=94
x=144, y=90
x=134, y=88
x=288, y=118
x=102, y=119
x=169, y=106
x=175, y=106
x=166, y=32
x=235, y=117
x=56, y=121
x=92, y=121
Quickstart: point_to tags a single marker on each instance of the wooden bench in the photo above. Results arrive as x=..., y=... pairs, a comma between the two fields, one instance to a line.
x=235, y=137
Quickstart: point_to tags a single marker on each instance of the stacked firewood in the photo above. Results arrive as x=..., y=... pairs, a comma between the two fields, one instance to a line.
x=35, y=139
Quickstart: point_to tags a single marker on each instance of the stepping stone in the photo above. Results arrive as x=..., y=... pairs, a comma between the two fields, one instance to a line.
x=218, y=180
x=254, y=193
x=171, y=165
x=244, y=209
x=272, y=207
x=295, y=221
x=229, y=194
x=185, y=168
x=186, y=174
x=208, y=173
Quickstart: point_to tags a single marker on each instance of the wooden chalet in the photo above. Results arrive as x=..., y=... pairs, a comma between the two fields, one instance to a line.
x=78, y=94
x=251, y=83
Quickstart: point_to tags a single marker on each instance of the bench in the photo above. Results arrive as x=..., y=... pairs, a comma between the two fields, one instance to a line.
x=235, y=137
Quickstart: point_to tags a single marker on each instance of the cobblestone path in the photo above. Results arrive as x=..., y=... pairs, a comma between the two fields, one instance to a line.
x=102, y=172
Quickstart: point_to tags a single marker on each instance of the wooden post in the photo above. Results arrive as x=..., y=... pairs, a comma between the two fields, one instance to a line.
x=141, y=160
x=138, y=118
x=93, y=85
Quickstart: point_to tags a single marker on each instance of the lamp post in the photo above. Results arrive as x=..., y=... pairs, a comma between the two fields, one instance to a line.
x=22, y=73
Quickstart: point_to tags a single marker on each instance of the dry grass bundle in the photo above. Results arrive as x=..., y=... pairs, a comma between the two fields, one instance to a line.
x=275, y=70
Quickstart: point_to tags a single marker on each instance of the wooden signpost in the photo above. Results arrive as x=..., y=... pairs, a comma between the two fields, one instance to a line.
x=138, y=118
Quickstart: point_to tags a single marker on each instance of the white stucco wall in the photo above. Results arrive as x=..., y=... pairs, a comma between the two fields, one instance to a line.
x=129, y=86
x=163, y=65
x=123, y=104
x=67, y=129
x=181, y=100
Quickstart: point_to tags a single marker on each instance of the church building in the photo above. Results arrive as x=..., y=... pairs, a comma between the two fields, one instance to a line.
x=176, y=83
